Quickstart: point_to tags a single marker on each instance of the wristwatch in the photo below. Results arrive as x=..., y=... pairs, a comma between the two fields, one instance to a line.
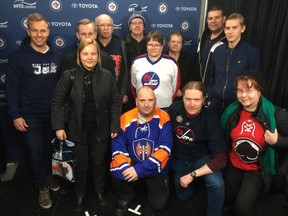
x=193, y=174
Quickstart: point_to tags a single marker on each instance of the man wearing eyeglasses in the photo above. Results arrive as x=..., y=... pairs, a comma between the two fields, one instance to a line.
x=135, y=45
x=87, y=29
x=111, y=44
x=158, y=71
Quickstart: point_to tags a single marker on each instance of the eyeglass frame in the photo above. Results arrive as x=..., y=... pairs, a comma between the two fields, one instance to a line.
x=248, y=91
x=154, y=45
x=105, y=25
x=137, y=23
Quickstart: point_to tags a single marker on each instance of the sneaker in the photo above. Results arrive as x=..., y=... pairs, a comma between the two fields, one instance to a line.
x=44, y=198
x=53, y=183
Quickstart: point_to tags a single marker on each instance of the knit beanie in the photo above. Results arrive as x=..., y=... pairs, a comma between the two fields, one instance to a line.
x=136, y=14
x=257, y=76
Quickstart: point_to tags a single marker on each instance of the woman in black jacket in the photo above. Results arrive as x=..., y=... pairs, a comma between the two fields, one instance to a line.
x=94, y=116
x=257, y=134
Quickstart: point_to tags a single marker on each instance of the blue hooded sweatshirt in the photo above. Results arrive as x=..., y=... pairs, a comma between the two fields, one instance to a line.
x=30, y=81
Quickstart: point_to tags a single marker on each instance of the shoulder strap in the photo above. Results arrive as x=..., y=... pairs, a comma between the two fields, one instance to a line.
x=72, y=77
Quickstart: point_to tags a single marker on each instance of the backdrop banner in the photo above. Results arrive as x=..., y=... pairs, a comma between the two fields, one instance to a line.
x=63, y=16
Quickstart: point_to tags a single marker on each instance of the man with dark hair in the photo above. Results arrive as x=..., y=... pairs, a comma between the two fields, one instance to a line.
x=30, y=80
x=229, y=61
x=211, y=38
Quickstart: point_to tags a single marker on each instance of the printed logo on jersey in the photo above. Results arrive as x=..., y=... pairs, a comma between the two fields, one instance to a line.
x=56, y=5
x=143, y=148
x=247, y=150
x=184, y=134
x=150, y=79
x=2, y=43
x=179, y=119
x=45, y=68
x=21, y=4
x=248, y=127
x=59, y=42
x=162, y=8
x=112, y=7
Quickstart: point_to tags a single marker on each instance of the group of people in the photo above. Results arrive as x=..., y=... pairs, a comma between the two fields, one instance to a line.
x=136, y=102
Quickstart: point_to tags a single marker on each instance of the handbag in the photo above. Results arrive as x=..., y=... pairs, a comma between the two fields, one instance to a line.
x=63, y=159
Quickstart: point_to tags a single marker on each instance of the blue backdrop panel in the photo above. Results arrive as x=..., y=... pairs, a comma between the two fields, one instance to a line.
x=63, y=16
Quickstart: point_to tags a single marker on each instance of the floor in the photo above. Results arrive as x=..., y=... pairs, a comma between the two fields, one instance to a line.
x=18, y=197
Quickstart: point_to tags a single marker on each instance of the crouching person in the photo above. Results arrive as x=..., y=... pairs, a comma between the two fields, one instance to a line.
x=200, y=149
x=141, y=153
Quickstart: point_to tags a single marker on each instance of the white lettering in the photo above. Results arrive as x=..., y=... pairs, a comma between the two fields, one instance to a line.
x=188, y=9
x=164, y=25
x=88, y=5
x=62, y=24
x=3, y=61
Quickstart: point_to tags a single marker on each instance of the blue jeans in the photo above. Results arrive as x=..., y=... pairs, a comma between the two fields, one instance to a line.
x=38, y=142
x=214, y=184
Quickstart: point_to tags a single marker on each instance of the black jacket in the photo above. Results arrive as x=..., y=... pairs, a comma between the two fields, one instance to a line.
x=202, y=72
x=132, y=49
x=186, y=67
x=107, y=103
x=281, y=147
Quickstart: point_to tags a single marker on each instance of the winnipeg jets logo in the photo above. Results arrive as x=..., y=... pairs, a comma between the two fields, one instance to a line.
x=150, y=79
x=184, y=135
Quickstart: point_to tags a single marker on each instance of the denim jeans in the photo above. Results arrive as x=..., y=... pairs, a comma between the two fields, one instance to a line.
x=38, y=142
x=214, y=184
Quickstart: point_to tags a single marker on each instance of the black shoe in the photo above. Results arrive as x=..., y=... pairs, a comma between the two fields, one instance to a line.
x=101, y=199
x=78, y=203
x=121, y=207
x=65, y=188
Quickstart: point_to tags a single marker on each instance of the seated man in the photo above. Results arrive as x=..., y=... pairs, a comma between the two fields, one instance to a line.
x=141, y=153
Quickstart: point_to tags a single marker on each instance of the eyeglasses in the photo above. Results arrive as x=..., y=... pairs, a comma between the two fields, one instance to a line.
x=248, y=91
x=154, y=45
x=136, y=23
x=105, y=26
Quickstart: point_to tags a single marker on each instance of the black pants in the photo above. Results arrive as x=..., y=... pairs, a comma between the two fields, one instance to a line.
x=90, y=153
x=157, y=190
x=242, y=189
